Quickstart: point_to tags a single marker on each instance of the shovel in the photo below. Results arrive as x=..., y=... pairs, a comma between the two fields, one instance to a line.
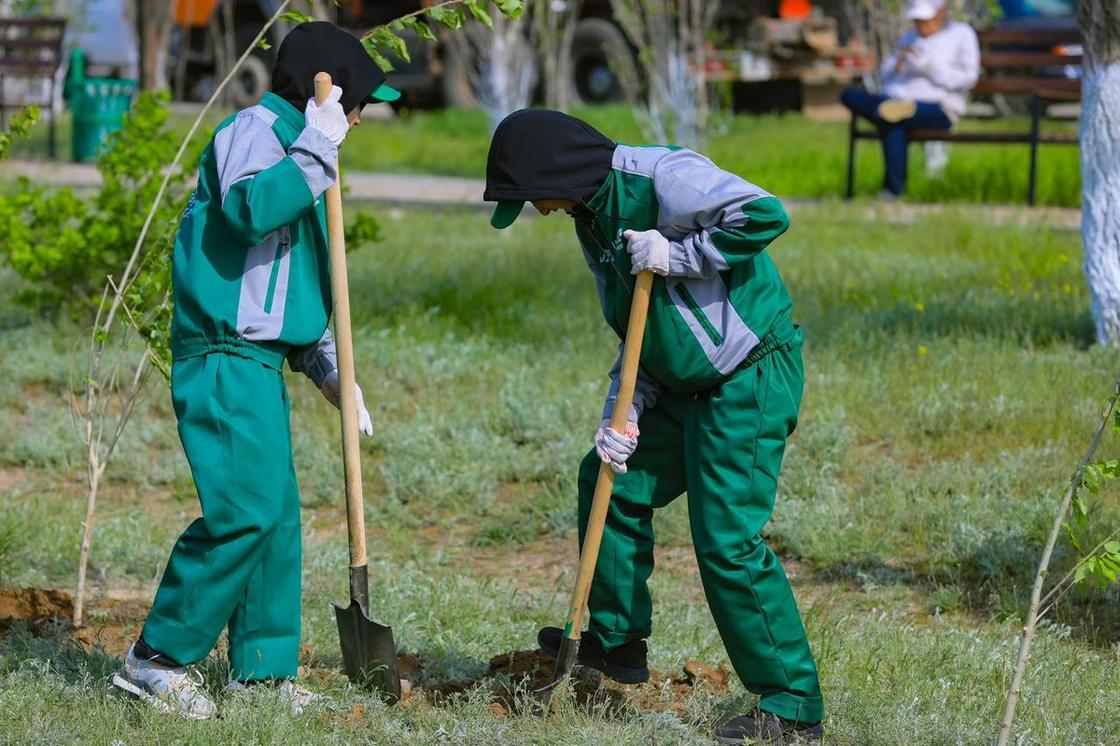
x=568, y=654
x=369, y=655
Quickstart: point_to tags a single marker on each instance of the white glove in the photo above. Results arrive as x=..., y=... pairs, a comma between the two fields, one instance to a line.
x=614, y=447
x=648, y=250
x=328, y=117
x=330, y=389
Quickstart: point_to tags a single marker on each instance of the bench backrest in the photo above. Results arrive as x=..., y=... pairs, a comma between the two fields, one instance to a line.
x=31, y=47
x=1029, y=61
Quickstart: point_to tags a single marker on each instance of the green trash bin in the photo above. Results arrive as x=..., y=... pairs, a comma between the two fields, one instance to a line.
x=98, y=106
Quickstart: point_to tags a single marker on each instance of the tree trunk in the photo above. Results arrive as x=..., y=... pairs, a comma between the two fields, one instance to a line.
x=1100, y=163
x=153, y=34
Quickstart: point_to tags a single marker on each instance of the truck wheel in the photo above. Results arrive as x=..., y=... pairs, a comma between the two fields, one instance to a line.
x=254, y=78
x=600, y=53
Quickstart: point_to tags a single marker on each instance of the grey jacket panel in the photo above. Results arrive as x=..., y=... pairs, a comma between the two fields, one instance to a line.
x=241, y=151
x=315, y=361
x=260, y=318
x=317, y=158
x=246, y=147
x=697, y=200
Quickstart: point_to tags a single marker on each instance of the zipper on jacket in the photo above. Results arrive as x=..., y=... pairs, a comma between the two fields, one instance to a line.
x=607, y=248
x=698, y=312
x=281, y=244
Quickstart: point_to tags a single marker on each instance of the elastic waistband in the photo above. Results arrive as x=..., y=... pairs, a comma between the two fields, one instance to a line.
x=271, y=355
x=774, y=340
x=783, y=335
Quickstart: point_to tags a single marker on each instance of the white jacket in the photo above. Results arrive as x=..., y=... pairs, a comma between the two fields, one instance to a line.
x=938, y=69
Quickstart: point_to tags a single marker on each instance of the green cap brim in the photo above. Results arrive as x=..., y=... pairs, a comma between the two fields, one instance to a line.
x=384, y=93
x=505, y=213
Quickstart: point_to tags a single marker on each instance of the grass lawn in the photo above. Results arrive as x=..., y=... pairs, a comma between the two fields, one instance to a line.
x=789, y=155
x=951, y=386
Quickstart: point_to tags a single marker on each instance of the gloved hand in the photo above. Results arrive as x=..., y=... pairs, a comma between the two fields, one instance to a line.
x=330, y=390
x=613, y=447
x=648, y=250
x=328, y=117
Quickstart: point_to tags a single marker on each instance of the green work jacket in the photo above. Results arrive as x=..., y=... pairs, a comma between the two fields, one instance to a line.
x=723, y=295
x=250, y=270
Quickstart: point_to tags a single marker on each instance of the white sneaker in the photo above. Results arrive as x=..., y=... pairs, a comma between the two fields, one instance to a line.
x=289, y=692
x=177, y=691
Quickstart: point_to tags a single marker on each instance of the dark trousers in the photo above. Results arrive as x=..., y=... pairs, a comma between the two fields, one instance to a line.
x=894, y=135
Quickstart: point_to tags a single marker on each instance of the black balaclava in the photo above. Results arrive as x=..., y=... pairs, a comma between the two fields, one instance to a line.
x=544, y=154
x=312, y=48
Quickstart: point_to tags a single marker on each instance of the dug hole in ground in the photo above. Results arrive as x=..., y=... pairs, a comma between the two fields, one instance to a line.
x=511, y=677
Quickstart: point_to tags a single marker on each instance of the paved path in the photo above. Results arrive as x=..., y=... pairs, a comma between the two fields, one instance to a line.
x=407, y=189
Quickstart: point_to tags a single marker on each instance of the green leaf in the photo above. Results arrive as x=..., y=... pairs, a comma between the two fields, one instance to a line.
x=363, y=230
x=387, y=43
x=1112, y=547
x=419, y=28
x=479, y=12
x=511, y=9
x=1109, y=469
x=1091, y=478
x=1073, y=537
x=295, y=16
x=452, y=18
x=263, y=44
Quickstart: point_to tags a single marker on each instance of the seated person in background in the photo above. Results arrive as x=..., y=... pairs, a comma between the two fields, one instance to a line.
x=924, y=84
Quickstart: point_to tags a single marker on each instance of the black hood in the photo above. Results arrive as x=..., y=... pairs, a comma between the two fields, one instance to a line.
x=544, y=154
x=312, y=48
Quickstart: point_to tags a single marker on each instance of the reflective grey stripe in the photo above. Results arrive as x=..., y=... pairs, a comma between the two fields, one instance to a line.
x=246, y=147
x=637, y=161
x=316, y=156
x=696, y=200
x=253, y=322
x=711, y=297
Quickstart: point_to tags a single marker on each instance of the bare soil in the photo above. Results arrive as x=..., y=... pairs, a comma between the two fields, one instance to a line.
x=513, y=677
x=36, y=606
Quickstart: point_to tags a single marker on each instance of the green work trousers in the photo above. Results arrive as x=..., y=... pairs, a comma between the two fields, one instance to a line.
x=725, y=450
x=239, y=564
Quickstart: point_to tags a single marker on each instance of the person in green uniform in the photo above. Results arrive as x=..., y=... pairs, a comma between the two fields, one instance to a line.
x=718, y=394
x=251, y=282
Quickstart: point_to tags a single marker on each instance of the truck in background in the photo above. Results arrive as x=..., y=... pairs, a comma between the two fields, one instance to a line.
x=209, y=36
x=775, y=54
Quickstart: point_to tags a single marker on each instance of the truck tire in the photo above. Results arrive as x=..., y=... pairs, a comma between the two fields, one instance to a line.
x=254, y=78
x=600, y=53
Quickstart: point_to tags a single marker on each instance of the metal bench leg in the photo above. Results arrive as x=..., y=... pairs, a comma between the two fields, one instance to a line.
x=849, y=191
x=51, y=135
x=1036, y=116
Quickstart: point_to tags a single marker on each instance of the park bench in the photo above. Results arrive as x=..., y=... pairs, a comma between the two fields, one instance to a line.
x=1014, y=62
x=31, y=49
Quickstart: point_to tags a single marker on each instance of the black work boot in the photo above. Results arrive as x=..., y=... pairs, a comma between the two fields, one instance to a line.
x=626, y=664
x=759, y=726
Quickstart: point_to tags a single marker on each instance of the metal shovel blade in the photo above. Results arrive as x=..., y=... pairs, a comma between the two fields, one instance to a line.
x=369, y=655
x=566, y=658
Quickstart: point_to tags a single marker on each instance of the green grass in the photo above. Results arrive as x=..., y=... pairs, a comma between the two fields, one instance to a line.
x=951, y=386
x=789, y=155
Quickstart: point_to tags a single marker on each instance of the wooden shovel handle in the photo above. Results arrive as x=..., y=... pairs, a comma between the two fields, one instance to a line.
x=344, y=343
x=631, y=353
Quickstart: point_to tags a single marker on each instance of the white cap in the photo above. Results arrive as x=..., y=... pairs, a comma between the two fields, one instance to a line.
x=923, y=10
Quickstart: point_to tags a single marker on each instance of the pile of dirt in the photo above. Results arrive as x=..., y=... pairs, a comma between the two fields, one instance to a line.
x=35, y=606
x=514, y=675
